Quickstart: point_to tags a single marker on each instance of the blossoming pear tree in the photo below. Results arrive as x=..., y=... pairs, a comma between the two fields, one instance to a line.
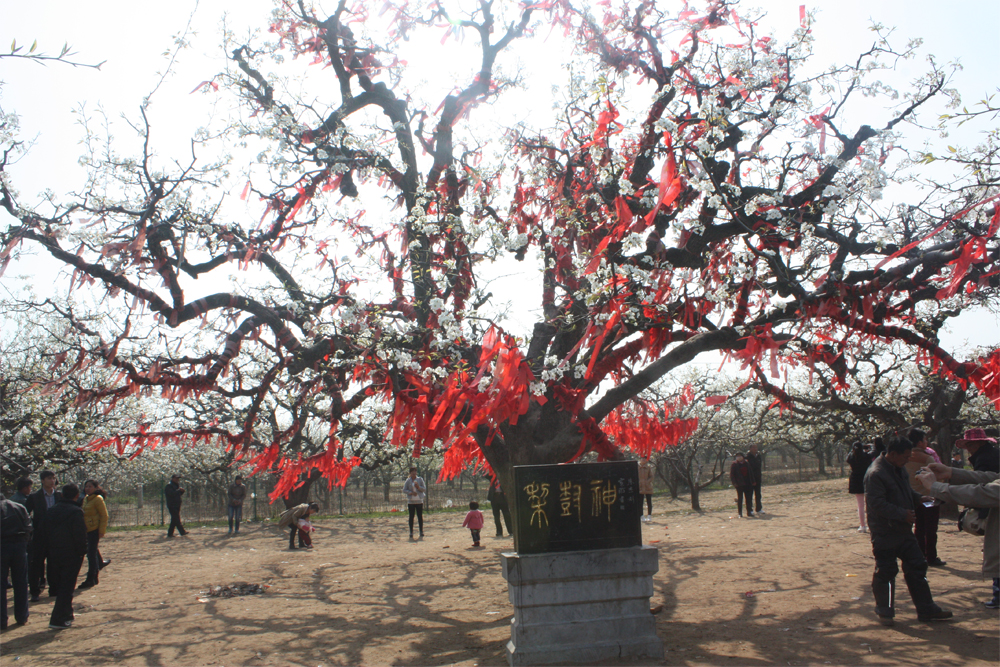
x=700, y=188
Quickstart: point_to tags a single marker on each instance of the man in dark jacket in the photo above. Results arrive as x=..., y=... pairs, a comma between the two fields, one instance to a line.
x=741, y=476
x=67, y=534
x=498, y=501
x=756, y=463
x=15, y=531
x=890, y=501
x=38, y=505
x=173, y=493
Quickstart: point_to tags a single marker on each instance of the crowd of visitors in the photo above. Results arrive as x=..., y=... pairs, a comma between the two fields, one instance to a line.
x=45, y=537
x=900, y=486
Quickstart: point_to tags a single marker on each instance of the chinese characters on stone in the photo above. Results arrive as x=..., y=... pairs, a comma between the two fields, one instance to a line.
x=603, y=496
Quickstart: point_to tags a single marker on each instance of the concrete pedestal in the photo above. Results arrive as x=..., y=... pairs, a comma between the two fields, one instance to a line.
x=581, y=606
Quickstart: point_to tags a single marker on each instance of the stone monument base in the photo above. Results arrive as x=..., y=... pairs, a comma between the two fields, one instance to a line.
x=581, y=606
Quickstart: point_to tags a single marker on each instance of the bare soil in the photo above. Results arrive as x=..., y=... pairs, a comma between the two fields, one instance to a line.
x=791, y=587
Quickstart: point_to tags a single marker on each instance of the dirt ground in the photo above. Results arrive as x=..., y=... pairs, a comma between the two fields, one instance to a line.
x=788, y=588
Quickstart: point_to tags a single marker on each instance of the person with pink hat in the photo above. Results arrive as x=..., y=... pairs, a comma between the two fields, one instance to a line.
x=983, y=453
x=973, y=488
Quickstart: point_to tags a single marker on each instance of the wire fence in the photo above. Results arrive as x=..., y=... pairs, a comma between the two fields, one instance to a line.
x=144, y=504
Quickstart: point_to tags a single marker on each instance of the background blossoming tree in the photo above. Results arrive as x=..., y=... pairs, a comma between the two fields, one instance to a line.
x=695, y=191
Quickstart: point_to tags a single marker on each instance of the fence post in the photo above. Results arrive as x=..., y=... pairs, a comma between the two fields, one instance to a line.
x=162, y=522
x=340, y=499
x=255, y=499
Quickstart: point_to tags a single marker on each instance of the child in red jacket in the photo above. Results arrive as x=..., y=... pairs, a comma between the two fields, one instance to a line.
x=474, y=522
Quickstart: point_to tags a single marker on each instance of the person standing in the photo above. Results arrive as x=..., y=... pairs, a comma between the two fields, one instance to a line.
x=983, y=453
x=878, y=447
x=973, y=489
x=174, y=495
x=38, y=505
x=415, y=490
x=23, y=486
x=926, y=526
x=742, y=478
x=237, y=492
x=67, y=535
x=498, y=503
x=15, y=532
x=756, y=462
x=859, y=460
x=646, y=487
x=95, y=515
x=890, y=500
x=474, y=522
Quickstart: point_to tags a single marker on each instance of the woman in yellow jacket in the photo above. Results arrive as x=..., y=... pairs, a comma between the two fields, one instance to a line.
x=95, y=514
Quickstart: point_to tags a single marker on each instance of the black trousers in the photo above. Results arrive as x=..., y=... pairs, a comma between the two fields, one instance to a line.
x=417, y=509
x=37, y=552
x=291, y=536
x=914, y=573
x=63, y=573
x=925, y=529
x=742, y=494
x=756, y=497
x=175, y=522
x=93, y=556
x=649, y=504
x=498, y=510
x=14, y=561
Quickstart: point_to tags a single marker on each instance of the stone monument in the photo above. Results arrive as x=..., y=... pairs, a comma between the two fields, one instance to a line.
x=580, y=580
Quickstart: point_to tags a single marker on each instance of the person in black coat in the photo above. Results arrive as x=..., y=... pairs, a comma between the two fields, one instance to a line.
x=756, y=463
x=859, y=460
x=741, y=476
x=890, y=504
x=498, y=501
x=15, y=532
x=38, y=505
x=67, y=543
x=174, y=494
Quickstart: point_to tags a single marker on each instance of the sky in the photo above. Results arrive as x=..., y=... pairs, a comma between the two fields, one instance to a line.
x=134, y=40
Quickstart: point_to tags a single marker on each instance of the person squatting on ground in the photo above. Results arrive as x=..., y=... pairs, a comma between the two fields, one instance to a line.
x=292, y=517
x=95, y=515
x=174, y=495
x=474, y=522
x=742, y=478
x=756, y=462
x=890, y=501
x=236, y=494
x=15, y=532
x=926, y=526
x=972, y=489
x=67, y=535
x=498, y=503
x=646, y=487
x=38, y=505
x=858, y=460
x=415, y=490
x=306, y=529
